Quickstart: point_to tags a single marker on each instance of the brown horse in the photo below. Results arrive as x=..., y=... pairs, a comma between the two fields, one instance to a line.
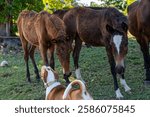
x=106, y=27
x=139, y=26
x=61, y=12
x=44, y=31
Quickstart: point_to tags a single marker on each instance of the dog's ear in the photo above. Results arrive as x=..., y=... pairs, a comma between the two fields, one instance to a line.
x=44, y=74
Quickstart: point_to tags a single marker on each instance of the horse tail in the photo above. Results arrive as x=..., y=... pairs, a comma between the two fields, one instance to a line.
x=82, y=88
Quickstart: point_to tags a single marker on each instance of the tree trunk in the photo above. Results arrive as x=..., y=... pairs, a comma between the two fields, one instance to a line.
x=9, y=18
x=7, y=29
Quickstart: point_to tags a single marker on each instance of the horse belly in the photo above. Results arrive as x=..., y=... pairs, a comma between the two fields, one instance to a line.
x=30, y=34
x=92, y=37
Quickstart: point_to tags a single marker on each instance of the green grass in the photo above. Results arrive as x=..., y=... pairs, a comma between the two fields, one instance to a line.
x=95, y=71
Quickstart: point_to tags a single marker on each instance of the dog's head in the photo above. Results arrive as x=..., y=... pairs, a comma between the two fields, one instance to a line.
x=48, y=74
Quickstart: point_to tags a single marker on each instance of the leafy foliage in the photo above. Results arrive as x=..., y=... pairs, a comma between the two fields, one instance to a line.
x=14, y=7
x=120, y=4
x=52, y=5
x=10, y=9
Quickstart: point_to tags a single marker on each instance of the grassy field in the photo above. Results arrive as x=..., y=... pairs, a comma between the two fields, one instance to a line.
x=95, y=71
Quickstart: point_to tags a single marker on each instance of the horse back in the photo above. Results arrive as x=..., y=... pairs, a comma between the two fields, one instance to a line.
x=90, y=24
x=139, y=17
x=40, y=27
x=78, y=21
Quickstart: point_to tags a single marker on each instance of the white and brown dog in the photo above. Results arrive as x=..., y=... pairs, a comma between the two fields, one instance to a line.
x=56, y=91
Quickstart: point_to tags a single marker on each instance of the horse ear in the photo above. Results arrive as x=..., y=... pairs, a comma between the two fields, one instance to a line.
x=124, y=26
x=109, y=29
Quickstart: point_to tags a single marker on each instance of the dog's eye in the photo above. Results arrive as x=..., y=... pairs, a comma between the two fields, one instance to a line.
x=85, y=93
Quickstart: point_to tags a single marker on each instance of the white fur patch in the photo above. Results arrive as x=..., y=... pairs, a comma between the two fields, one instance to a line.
x=78, y=75
x=48, y=89
x=66, y=92
x=85, y=94
x=50, y=76
x=117, y=39
x=124, y=84
x=118, y=94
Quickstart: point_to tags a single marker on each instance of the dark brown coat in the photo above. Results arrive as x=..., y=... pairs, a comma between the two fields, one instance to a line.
x=139, y=26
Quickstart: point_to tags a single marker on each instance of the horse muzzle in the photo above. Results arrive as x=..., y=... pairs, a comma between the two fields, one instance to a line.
x=120, y=69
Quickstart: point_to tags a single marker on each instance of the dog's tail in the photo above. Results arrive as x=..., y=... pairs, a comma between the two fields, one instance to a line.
x=69, y=87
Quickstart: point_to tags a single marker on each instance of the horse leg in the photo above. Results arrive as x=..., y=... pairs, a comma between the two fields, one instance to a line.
x=145, y=50
x=63, y=53
x=43, y=51
x=26, y=57
x=113, y=71
x=32, y=49
x=51, y=56
x=76, y=53
x=124, y=84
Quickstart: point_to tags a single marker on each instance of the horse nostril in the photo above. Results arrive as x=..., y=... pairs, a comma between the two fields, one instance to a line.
x=120, y=69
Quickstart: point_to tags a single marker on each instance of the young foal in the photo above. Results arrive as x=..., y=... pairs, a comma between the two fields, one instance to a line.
x=44, y=31
x=106, y=27
x=139, y=26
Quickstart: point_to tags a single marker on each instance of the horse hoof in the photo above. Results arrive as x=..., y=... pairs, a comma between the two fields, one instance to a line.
x=119, y=98
x=147, y=82
x=129, y=92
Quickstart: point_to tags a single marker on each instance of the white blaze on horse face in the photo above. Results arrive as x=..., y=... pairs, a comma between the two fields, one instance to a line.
x=117, y=39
